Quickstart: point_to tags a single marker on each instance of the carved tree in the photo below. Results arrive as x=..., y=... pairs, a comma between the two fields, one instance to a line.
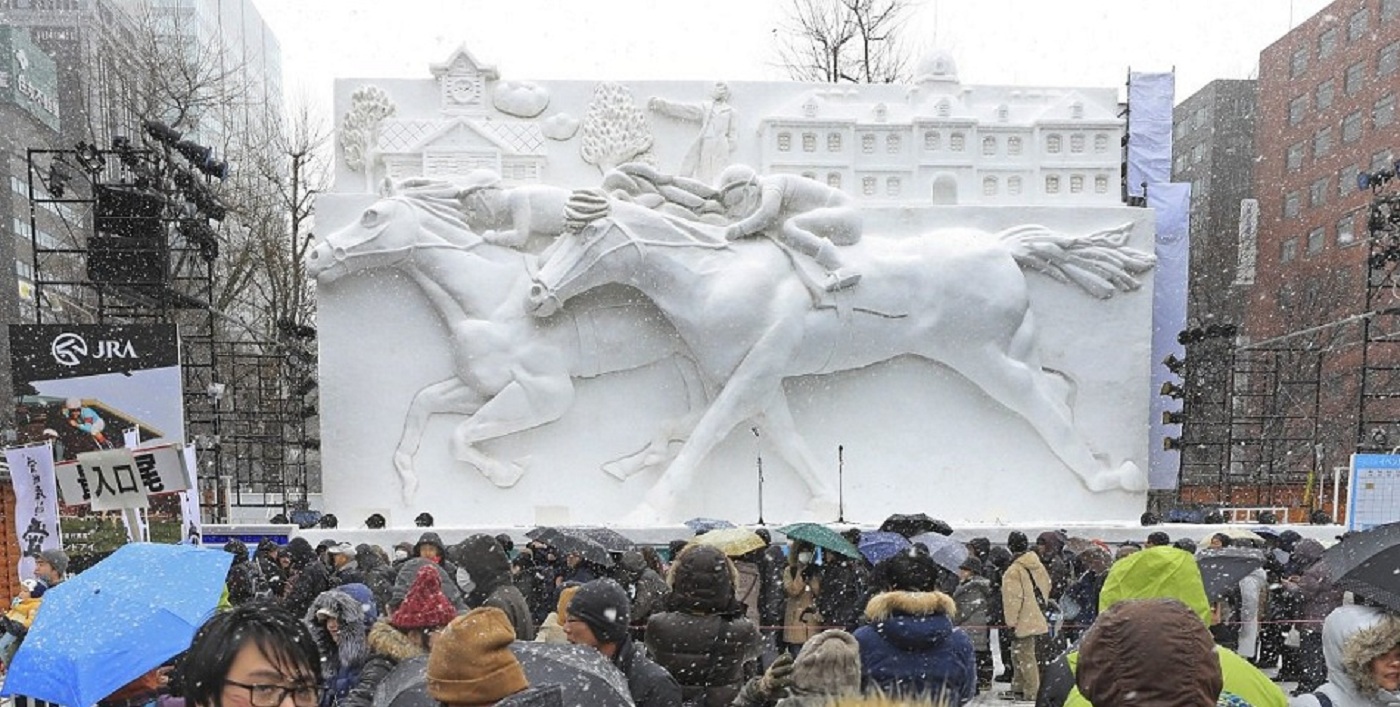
x=835, y=41
x=370, y=106
x=615, y=130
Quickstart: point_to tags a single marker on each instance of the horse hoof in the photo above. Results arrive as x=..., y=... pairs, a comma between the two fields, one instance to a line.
x=618, y=471
x=506, y=475
x=410, y=488
x=1132, y=478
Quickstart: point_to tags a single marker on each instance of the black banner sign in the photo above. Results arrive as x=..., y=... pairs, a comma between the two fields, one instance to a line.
x=56, y=351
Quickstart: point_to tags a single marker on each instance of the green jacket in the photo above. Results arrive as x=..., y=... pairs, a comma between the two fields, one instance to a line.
x=1172, y=573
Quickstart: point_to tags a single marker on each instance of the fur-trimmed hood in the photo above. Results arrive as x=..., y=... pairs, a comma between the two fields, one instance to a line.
x=390, y=642
x=883, y=606
x=912, y=621
x=352, y=649
x=1352, y=636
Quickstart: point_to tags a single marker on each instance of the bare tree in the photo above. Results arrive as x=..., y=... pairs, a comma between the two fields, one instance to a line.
x=850, y=41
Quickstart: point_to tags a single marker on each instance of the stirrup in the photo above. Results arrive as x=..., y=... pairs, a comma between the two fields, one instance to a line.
x=840, y=279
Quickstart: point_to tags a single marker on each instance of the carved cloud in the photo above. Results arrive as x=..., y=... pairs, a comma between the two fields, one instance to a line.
x=522, y=99
x=560, y=126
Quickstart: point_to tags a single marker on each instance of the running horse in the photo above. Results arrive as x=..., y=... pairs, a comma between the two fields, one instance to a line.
x=955, y=296
x=511, y=372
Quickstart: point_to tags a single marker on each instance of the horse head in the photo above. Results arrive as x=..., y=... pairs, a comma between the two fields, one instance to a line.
x=387, y=234
x=571, y=265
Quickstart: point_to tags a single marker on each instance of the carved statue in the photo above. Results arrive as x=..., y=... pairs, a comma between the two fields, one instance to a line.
x=803, y=214
x=717, y=139
x=510, y=217
x=512, y=372
x=956, y=296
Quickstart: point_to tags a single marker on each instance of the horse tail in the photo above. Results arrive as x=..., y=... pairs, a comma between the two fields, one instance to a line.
x=1101, y=263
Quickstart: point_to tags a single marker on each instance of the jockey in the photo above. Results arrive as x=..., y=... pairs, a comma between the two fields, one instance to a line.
x=803, y=214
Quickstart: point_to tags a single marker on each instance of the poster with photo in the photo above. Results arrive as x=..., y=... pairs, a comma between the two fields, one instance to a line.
x=87, y=388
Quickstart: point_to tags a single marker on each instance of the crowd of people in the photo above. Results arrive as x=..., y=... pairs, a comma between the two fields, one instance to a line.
x=1075, y=622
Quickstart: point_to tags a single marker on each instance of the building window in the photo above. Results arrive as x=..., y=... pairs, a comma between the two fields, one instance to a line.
x=1388, y=60
x=1327, y=43
x=1322, y=142
x=1356, y=76
x=1384, y=112
x=892, y=186
x=1052, y=144
x=1013, y=146
x=1346, y=230
x=1324, y=95
x=1389, y=9
x=956, y=142
x=1052, y=184
x=784, y=142
x=932, y=140
x=1013, y=186
x=833, y=180
x=1294, y=159
x=1076, y=143
x=1076, y=110
x=833, y=142
x=1317, y=193
x=1380, y=160
x=1288, y=250
x=1346, y=180
x=867, y=186
x=1003, y=113
x=1351, y=127
x=867, y=143
x=1101, y=184
x=809, y=142
x=945, y=108
x=1100, y=144
x=1291, y=204
x=1298, y=63
x=989, y=146
x=1076, y=184
x=1356, y=25
x=1179, y=164
x=989, y=186
x=1317, y=238
x=1297, y=108
x=892, y=143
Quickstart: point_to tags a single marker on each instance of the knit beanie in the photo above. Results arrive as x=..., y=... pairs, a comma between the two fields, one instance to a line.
x=828, y=664
x=566, y=595
x=603, y=605
x=1017, y=543
x=57, y=558
x=425, y=606
x=471, y=662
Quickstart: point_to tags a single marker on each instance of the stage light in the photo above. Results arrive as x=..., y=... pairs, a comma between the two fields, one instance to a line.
x=1172, y=390
x=1170, y=417
x=89, y=158
x=1174, y=364
x=1171, y=444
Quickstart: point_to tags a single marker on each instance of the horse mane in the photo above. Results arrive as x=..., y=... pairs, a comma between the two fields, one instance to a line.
x=666, y=229
x=447, y=220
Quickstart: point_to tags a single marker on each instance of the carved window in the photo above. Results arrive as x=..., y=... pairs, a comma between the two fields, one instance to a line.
x=784, y=142
x=1013, y=186
x=933, y=140
x=1052, y=144
x=989, y=146
x=809, y=142
x=1076, y=143
x=833, y=180
x=945, y=108
x=989, y=186
x=1052, y=184
x=892, y=186
x=1076, y=110
x=867, y=186
x=1076, y=184
x=1003, y=113
x=892, y=143
x=1013, y=146
x=957, y=142
x=1100, y=144
x=1101, y=184
x=867, y=143
x=833, y=142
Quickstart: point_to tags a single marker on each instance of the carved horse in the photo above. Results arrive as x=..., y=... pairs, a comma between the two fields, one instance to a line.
x=955, y=296
x=511, y=372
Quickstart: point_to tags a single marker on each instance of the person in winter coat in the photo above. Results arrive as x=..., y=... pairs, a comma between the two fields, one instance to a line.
x=337, y=624
x=827, y=669
x=599, y=616
x=482, y=558
x=1310, y=586
x=430, y=547
x=552, y=628
x=1081, y=599
x=271, y=570
x=972, y=596
x=772, y=601
x=910, y=646
x=471, y=665
x=647, y=588
x=408, y=632
x=307, y=580
x=750, y=584
x=257, y=643
x=16, y=621
x=1160, y=572
x=801, y=584
x=1362, y=648
x=243, y=580
x=702, y=637
x=1025, y=586
x=379, y=576
x=533, y=585
x=845, y=583
x=1149, y=652
x=345, y=567
x=998, y=559
x=429, y=550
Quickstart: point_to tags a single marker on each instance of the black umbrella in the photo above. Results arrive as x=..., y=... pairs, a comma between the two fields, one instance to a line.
x=911, y=524
x=609, y=538
x=1368, y=563
x=1223, y=568
x=573, y=541
x=587, y=678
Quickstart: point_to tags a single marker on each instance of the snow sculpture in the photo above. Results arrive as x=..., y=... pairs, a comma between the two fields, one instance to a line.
x=614, y=129
x=522, y=99
x=560, y=126
x=718, y=136
x=359, y=129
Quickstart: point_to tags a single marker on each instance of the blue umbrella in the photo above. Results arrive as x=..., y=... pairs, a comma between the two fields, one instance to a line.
x=882, y=545
x=945, y=551
x=705, y=525
x=118, y=620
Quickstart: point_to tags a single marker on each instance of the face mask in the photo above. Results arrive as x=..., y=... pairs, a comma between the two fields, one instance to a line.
x=401, y=554
x=804, y=557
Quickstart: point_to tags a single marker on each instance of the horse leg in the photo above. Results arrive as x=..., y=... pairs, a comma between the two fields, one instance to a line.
x=448, y=396
x=671, y=435
x=526, y=402
x=782, y=430
x=1029, y=392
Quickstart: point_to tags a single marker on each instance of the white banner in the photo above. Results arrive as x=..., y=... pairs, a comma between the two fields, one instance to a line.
x=158, y=470
x=36, y=503
x=131, y=437
x=1150, y=99
x=112, y=479
x=1172, y=202
x=191, y=525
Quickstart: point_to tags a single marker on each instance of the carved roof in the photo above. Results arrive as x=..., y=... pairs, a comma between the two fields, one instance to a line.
x=461, y=61
x=513, y=137
x=401, y=135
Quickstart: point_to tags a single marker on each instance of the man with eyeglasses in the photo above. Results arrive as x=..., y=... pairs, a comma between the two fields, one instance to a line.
x=254, y=655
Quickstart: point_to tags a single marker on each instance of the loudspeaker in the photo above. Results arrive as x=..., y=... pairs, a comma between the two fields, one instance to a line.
x=130, y=245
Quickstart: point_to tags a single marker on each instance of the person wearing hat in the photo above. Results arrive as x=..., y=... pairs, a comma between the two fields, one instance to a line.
x=599, y=616
x=826, y=671
x=471, y=665
x=408, y=632
x=16, y=621
x=345, y=569
x=1157, y=539
x=483, y=559
x=336, y=622
x=1149, y=652
x=974, y=597
x=1025, y=588
x=51, y=567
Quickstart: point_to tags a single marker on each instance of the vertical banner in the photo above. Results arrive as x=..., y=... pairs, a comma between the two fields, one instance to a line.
x=1172, y=204
x=191, y=526
x=36, y=502
x=1150, y=99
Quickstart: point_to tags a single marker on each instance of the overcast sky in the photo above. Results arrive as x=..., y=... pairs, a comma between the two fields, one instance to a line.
x=1017, y=42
